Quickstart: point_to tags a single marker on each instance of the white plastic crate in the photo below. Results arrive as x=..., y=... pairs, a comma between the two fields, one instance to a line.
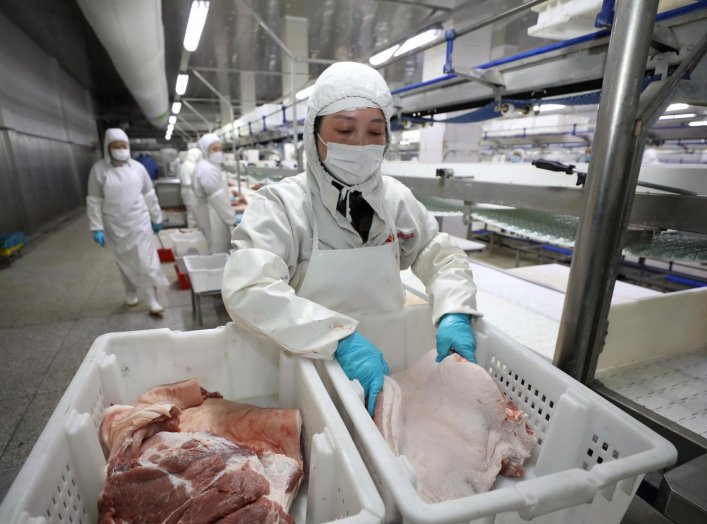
x=589, y=462
x=205, y=272
x=63, y=476
x=189, y=243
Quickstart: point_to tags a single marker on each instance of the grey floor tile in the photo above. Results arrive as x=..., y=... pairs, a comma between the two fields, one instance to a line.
x=82, y=336
x=25, y=355
x=28, y=430
x=7, y=477
x=11, y=413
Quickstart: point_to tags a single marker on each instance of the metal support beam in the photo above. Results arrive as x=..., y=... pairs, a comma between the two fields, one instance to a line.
x=203, y=118
x=215, y=91
x=237, y=71
x=611, y=184
x=419, y=4
x=247, y=7
x=473, y=27
x=186, y=123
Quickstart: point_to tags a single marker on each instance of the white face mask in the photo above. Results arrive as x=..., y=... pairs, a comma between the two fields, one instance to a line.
x=352, y=164
x=121, y=155
x=216, y=157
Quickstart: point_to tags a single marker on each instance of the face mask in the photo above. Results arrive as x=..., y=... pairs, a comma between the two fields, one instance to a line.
x=352, y=164
x=216, y=158
x=121, y=155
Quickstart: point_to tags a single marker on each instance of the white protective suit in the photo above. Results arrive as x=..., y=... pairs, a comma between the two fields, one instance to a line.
x=186, y=169
x=122, y=202
x=273, y=243
x=214, y=215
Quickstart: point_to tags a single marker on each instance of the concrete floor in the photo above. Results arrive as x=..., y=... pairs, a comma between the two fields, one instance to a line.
x=55, y=301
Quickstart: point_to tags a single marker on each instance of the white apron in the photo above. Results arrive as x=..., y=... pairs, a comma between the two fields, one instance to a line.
x=355, y=281
x=128, y=228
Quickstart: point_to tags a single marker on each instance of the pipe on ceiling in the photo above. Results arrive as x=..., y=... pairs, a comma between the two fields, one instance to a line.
x=132, y=33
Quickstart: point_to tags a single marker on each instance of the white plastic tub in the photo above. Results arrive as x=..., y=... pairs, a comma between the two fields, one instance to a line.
x=587, y=467
x=189, y=243
x=205, y=272
x=64, y=474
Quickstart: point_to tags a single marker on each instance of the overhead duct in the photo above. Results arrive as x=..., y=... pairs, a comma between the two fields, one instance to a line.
x=132, y=33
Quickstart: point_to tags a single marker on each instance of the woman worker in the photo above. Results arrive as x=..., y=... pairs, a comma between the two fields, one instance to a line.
x=123, y=212
x=214, y=215
x=316, y=250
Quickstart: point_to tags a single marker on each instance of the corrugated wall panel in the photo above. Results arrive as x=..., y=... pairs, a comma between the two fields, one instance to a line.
x=49, y=136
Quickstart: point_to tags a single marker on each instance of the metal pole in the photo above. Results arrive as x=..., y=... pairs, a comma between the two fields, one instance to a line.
x=609, y=195
x=203, y=118
x=227, y=101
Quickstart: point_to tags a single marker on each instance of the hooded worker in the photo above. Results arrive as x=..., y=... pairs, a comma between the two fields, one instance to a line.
x=315, y=251
x=186, y=170
x=214, y=215
x=124, y=214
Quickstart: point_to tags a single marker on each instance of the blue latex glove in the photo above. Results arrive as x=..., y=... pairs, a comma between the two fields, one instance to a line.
x=363, y=361
x=99, y=238
x=455, y=335
x=156, y=227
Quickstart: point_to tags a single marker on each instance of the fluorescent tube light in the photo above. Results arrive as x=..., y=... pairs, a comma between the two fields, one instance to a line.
x=674, y=117
x=195, y=25
x=677, y=107
x=176, y=107
x=548, y=107
x=698, y=123
x=417, y=41
x=304, y=93
x=172, y=119
x=182, y=81
x=383, y=56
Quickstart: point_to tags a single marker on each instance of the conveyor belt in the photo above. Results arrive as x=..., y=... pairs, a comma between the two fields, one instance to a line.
x=674, y=386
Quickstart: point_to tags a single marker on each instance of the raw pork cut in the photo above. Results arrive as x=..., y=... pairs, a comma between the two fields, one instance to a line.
x=454, y=425
x=165, y=469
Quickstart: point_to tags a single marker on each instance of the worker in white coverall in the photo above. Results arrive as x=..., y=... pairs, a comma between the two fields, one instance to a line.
x=214, y=215
x=315, y=251
x=123, y=213
x=186, y=170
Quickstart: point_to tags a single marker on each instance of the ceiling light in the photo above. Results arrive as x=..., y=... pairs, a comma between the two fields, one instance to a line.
x=697, y=123
x=548, y=107
x=304, y=93
x=677, y=107
x=682, y=115
x=182, y=81
x=418, y=41
x=383, y=56
x=176, y=107
x=172, y=119
x=195, y=25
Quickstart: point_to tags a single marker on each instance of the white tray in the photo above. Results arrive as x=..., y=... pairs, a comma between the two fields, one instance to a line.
x=64, y=474
x=189, y=243
x=591, y=456
x=205, y=272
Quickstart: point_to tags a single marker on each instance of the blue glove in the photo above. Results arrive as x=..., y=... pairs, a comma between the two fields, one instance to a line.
x=455, y=334
x=99, y=238
x=156, y=227
x=363, y=361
